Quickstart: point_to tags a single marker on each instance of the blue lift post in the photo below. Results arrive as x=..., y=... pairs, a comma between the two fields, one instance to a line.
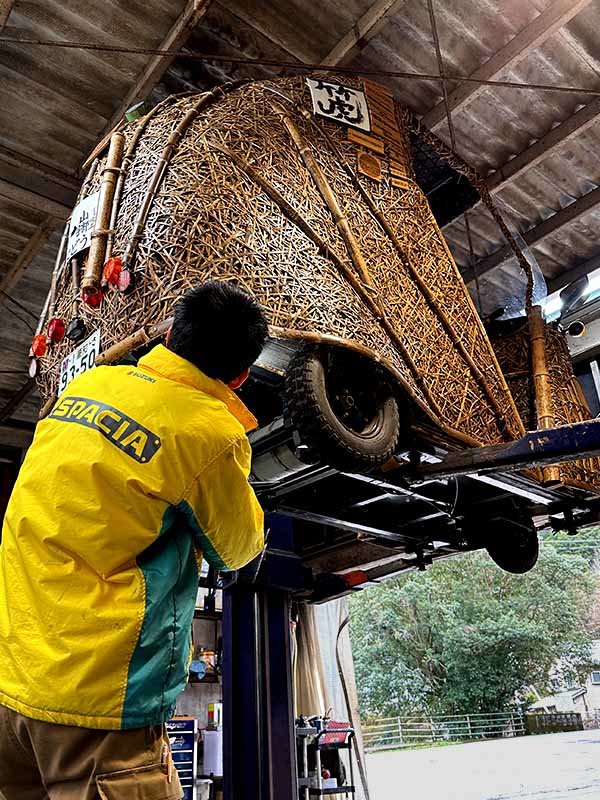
x=259, y=737
x=259, y=745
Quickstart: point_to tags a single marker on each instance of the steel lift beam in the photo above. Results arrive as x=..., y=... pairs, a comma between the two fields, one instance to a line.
x=316, y=517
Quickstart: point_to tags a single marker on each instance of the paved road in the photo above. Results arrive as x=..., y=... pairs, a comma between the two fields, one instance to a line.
x=559, y=766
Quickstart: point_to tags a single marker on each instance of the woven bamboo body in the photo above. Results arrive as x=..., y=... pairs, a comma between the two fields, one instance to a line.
x=567, y=399
x=239, y=198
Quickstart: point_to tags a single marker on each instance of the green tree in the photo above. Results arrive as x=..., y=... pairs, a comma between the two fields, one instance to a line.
x=466, y=636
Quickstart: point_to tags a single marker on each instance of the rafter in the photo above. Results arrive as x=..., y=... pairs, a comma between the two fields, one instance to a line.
x=6, y=6
x=538, y=233
x=40, y=236
x=17, y=399
x=533, y=35
x=538, y=151
x=363, y=30
x=158, y=65
x=541, y=149
x=46, y=171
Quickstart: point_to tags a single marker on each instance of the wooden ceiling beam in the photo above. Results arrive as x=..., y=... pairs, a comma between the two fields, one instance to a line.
x=538, y=233
x=25, y=162
x=17, y=399
x=40, y=236
x=6, y=6
x=529, y=38
x=262, y=24
x=363, y=30
x=13, y=435
x=158, y=65
x=572, y=274
x=542, y=148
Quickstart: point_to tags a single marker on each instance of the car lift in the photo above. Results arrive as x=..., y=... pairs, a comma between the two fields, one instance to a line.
x=259, y=738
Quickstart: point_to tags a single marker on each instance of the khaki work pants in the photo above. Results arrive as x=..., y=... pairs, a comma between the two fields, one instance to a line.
x=43, y=761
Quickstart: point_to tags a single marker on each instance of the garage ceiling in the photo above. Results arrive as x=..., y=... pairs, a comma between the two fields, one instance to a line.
x=537, y=149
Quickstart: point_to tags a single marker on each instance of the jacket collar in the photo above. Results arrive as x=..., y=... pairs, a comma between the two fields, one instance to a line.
x=169, y=365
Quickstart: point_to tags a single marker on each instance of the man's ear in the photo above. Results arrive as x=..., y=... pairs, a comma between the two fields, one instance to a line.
x=168, y=337
x=241, y=378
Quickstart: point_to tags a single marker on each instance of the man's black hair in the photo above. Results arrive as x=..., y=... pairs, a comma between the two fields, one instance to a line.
x=220, y=328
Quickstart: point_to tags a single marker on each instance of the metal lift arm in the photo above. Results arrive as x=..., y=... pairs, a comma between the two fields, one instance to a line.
x=535, y=449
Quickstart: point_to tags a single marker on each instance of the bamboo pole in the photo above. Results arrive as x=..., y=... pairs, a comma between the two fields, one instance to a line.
x=294, y=217
x=167, y=154
x=91, y=277
x=426, y=292
x=126, y=163
x=125, y=167
x=58, y=269
x=331, y=201
x=75, y=288
x=88, y=178
x=50, y=301
x=541, y=382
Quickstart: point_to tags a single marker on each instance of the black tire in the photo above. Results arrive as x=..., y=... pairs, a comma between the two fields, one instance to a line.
x=352, y=432
x=512, y=544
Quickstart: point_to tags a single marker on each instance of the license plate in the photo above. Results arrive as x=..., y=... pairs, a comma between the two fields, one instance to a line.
x=79, y=361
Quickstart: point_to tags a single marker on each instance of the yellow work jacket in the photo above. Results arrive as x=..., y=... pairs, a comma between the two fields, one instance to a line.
x=136, y=473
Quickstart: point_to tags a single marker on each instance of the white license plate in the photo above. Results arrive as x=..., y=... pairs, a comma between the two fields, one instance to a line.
x=79, y=361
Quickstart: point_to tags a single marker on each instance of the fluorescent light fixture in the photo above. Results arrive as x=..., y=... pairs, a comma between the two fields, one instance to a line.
x=552, y=305
x=593, y=282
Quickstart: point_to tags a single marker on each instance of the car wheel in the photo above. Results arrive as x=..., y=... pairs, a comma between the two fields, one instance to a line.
x=343, y=407
x=512, y=544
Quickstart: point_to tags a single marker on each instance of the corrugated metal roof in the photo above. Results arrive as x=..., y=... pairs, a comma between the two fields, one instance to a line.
x=55, y=119
x=54, y=106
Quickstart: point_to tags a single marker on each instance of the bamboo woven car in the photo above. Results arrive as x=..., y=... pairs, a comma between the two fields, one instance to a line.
x=325, y=223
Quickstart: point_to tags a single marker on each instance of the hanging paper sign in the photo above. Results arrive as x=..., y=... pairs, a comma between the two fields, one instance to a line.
x=83, y=222
x=340, y=103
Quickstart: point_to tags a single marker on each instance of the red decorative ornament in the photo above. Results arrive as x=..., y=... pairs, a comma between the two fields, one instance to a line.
x=92, y=298
x=125, y=280
x=112, y=270
x=39, y=345
x=56, y=330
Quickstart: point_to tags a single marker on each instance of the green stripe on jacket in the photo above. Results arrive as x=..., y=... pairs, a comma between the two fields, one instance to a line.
x=158, y=666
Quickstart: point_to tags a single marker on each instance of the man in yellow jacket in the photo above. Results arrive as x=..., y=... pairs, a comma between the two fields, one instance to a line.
x=136, y=475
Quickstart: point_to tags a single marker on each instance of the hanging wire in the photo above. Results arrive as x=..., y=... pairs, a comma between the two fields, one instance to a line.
x=473, y=261
x=25, y=322
x=440, y=63
x=293, y=65
x=18, y=304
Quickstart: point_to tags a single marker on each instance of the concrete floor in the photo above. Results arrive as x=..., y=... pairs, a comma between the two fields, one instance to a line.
x=559, y=766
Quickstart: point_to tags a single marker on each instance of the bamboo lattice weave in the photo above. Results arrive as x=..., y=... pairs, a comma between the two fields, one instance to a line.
x=569, y=404
x=211, y=219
